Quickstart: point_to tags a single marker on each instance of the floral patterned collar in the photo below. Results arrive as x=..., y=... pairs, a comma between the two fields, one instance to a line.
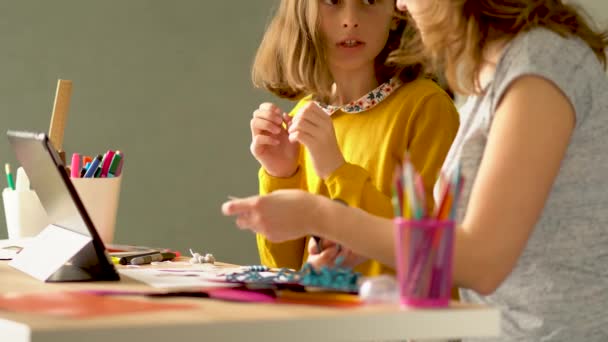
x=366, y=102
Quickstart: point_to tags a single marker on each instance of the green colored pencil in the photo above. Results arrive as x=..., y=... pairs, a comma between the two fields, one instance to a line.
x=9, y=176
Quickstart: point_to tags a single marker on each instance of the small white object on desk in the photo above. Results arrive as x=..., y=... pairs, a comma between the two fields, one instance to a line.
x=197, y=258
x=381, y=289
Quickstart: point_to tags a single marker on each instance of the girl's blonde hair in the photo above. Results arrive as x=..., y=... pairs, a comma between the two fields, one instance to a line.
x=456, y=31
x=291, y=63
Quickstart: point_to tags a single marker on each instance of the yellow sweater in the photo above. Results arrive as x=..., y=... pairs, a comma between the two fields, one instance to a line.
x=418, y=117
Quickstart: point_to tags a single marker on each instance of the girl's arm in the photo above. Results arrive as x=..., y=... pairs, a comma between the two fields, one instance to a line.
x=284, y=254
x=429, y=133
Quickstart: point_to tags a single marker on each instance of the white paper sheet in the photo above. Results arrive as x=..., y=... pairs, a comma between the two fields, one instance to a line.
x=7, y=250
x=183, y=277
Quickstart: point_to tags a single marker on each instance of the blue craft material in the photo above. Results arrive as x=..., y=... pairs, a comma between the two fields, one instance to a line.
x=257, y=268
x=335, y=278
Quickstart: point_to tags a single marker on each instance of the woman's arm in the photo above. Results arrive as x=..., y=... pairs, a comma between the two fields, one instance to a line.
x=528, y=140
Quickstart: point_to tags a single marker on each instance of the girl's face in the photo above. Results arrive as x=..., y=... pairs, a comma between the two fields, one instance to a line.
x=355, y=31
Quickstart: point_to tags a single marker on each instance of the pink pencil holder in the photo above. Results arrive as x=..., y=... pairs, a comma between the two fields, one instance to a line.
x=424, y=252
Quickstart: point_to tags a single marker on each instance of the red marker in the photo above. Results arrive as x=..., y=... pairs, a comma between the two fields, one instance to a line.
x=107, y=161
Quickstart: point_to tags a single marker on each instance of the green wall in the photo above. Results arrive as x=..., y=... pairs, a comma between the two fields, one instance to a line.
x=168, y=83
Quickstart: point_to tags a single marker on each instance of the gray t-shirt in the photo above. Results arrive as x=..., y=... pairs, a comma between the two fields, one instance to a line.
x=559, y=289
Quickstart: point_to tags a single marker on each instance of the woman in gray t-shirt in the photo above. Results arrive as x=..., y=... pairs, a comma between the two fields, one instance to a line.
x=533, y=147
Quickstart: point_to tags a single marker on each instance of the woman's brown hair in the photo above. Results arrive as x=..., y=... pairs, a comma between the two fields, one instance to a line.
x=290, y=61
x=456, y=42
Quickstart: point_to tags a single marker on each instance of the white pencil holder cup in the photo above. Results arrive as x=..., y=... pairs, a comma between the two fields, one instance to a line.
x=25, y=216
x=100, y=197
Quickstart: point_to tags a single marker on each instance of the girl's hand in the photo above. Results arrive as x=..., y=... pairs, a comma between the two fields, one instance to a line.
x=313, y=128
x=270, y=144
x=280, y=216
x=329, y=253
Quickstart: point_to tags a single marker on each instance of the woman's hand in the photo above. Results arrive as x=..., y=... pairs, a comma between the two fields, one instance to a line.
x=280, y=216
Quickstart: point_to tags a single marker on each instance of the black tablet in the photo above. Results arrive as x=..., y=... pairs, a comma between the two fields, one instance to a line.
x=49, y=178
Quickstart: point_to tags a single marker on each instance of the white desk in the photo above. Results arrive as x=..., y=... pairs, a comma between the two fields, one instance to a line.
x=223, y=321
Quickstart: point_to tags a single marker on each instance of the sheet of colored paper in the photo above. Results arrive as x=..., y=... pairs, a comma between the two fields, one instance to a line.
x=80, y=305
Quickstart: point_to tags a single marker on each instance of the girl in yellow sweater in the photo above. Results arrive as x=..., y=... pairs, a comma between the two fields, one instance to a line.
x=358, y=112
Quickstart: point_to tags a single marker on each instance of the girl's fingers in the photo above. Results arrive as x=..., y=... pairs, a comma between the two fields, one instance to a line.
x=325, y=258
x=259, y=125
x=303, y=138
x=265, y=140
x=304, y=126
x=315, y=113
x=325, y=244
x=271, y=107
x=287, y=119
x=270, y=115
x=305, y=117
x=318, y=113
x=260, y=142
x=313, y=247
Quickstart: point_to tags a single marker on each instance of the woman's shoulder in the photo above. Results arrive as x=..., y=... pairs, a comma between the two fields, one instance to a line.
x=544, y=48
x=563, y=59
x=542, y=38
x=566, y=61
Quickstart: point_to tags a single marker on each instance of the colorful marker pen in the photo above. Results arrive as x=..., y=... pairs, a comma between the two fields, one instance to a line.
x=84, y=169
x=86, y=160
x=147, y=259
x=105, y=165
x=93, y=167
x=120, y=163
x=75, y=166
x=9, y=176
x=115, y=162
